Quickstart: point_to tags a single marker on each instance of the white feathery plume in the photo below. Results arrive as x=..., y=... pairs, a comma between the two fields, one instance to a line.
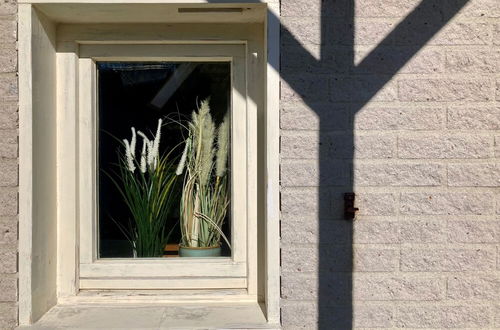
x=129, y=156
x=206, y=156
x=194, y=131
x=150, y=157
x=151, y=149
x=143, y=157
x=156, y=144
x=180, y=167
x=222, y=147
x=145, y=143
x=142, y=135
x=133, y=142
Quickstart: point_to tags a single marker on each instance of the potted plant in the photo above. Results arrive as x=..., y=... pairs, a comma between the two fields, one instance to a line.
x=204, y=198
x=147, y=185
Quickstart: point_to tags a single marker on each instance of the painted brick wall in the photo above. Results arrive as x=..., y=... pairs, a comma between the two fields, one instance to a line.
x=8, y=164
x=411, y=123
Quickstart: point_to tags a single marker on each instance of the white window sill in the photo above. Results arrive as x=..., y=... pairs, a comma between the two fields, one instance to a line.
x=187, y=316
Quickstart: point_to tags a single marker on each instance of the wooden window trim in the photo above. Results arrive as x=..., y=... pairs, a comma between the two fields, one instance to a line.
x=185, y=273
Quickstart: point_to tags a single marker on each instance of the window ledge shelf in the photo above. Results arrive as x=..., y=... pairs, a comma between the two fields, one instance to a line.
x=186, y=316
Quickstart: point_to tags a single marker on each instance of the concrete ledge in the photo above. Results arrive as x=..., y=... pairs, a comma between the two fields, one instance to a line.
x=146, y=317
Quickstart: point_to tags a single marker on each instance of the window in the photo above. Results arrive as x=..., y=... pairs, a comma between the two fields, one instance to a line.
x=69, y=56
x=218, y=71
x=131, y=99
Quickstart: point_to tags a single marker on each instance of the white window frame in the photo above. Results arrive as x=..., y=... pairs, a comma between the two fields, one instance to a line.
x=162, y=273
x=44, y=281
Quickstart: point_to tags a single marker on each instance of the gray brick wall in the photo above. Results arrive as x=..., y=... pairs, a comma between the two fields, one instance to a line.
x=418, y=143
x=8, y=165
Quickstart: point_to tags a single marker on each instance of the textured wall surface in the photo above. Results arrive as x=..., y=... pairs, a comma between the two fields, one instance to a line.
x=404, y=110
x=8, y=164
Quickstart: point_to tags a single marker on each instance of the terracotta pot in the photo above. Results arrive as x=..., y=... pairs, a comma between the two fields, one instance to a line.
x=171, y=251
x=200, y=252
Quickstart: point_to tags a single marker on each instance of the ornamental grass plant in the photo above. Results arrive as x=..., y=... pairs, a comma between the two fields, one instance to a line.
x=147, y=185
x=205, y=199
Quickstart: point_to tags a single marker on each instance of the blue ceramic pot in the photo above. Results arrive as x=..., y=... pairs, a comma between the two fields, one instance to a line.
x=200, y=252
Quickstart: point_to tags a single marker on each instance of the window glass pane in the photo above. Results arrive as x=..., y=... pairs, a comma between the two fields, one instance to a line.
x=140, y=197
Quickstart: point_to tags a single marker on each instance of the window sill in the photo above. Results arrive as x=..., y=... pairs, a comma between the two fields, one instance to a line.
x=186, y=316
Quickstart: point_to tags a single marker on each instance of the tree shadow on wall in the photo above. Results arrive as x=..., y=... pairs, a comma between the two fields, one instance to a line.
x=336, y=88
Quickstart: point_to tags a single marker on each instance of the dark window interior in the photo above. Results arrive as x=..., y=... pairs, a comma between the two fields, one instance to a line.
x=127, y=96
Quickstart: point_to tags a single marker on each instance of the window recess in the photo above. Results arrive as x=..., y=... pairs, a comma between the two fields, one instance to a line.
x=67, y=53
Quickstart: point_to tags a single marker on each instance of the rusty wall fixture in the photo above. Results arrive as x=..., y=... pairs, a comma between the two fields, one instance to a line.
x=349, y=209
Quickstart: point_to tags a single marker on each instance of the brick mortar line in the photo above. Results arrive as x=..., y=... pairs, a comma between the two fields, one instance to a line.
x=411, y=190
x=391, y=19
x=8, y=74
x=405, y=275
x=412, y=218
x=414, y=105
x=400, y=161
x=403, y=161
x=9, y=17
x=466, y=76
x=351, y=106
x=497, y=266
x=306, y=45
x=391, y=47
x=8, y=98
x=395, y=161
x=425, y=246
x=384, y=132
x=407, y=303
